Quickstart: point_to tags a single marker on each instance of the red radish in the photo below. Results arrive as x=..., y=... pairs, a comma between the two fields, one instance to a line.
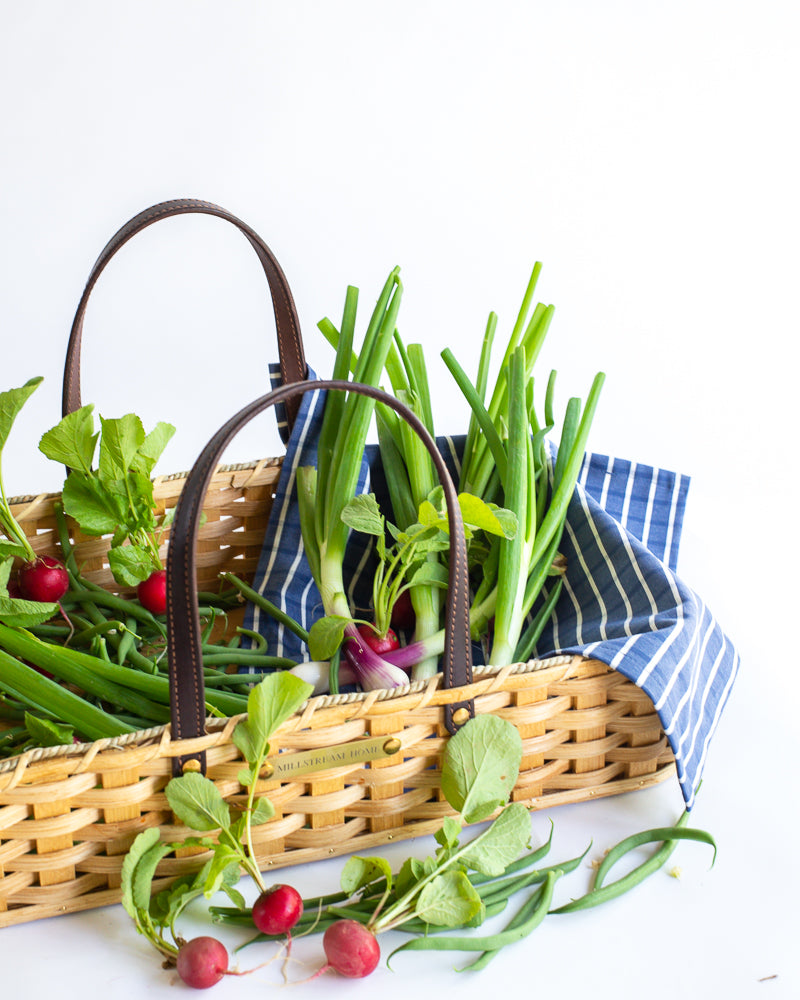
x=403, y=616
x=43, y=579
x=378, y=643
x=351, y=949
x=277, y=910
x=202, y=962
x=152, y=592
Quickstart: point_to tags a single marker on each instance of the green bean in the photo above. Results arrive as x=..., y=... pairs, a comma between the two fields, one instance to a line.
x=600, y=893
x=243, y=657
x=528, y=919
x=261, y=602
x=99, y=596
x=41, y=693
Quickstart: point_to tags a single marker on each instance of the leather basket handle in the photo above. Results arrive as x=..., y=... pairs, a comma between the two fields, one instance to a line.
x=183, y=618
x=290, y=345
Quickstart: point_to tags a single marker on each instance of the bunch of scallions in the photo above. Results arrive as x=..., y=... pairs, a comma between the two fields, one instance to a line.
x=514, y=490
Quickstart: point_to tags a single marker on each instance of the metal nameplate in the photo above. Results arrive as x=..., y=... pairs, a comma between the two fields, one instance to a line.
x=294, y=765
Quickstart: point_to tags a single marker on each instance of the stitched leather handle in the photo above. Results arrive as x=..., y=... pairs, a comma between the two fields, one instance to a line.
x=183, y=619
x=290, y=345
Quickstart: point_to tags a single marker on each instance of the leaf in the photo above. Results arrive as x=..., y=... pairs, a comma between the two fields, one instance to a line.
x=273, y=700
x=359, y=872
x=141, y=844
x=11, y=402
x=325, y=636
x=486, y=516
x=19, y=613
x=45, y=733
x=223, y=863
x=245, y=776
x=130, y=564
x=430, y=574
x=166, y=906
x=363, y=514
x=480, y=766
x=120, y=440
x=144, y=873
x=152, y=447
x=263, y=811
x=505, y=840
x=243, y=740
x=96, y=511
x=10, y=550
x=449, y=832
x=197, y=802
x=449, y=900
x=72, y=442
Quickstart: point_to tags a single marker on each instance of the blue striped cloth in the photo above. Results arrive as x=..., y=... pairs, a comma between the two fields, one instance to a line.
x=622, y=601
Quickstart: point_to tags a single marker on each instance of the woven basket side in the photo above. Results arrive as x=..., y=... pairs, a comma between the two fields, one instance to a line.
x=236, y=511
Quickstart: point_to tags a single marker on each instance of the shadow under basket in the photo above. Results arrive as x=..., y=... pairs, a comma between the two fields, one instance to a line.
x=347, y=773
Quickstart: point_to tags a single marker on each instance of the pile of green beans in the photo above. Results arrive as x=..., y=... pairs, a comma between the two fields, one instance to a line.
x=522, y=875
x=101, y=665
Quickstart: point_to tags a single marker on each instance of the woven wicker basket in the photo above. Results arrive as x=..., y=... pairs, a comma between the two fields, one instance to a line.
x=69, y=814
x=352, y=771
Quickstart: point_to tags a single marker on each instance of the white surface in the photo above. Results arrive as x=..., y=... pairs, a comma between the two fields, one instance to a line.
x=646, y=153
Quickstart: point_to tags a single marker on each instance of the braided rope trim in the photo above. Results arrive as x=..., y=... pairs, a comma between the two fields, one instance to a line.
x=486, y=679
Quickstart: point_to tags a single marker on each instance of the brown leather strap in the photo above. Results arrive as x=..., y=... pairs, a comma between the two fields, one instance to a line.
x=290, y=344
x=183, y=619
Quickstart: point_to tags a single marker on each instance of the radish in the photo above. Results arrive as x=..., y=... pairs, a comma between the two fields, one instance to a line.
x=43, y=579
x=403, y=616
x=277, y=909
x=351, y=949
x=379, y=644
x=152, y=592
x=202, y=962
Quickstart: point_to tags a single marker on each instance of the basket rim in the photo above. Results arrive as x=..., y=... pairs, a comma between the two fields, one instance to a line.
x=255, y=465
x=216, y=724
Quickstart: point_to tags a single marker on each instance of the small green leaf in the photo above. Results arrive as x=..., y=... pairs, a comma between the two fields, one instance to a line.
x=245, y=776
x=486, y=516
x=363, y=514
x=359, y=872
x=152, y=447
x=243, y=740
x=449, y=832
x=271, y=702
x=120, y=440
x=95, y=510
x=430, y=574
x=144, y=873
x=325, y=636
x=225, y=864
x=505, y=840
x=11, y=402
x=130, y=564
x=141, y=844
x=197, y=802
x=9, y=550
x=73, y=441
x=429, y=516
x=45, y=733
x=263, y=811
x=480, y=766
x=19, y=613
x=449, y=900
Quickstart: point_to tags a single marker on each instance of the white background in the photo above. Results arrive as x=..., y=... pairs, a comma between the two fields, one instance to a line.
x=645, y=153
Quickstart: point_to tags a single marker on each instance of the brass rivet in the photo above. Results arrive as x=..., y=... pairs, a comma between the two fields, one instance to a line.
x=191, y=765
x=392, y=745
x=266, y=771
x=460, y=716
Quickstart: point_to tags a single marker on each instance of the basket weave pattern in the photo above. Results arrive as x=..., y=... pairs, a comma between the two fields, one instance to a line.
x=69, y=814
